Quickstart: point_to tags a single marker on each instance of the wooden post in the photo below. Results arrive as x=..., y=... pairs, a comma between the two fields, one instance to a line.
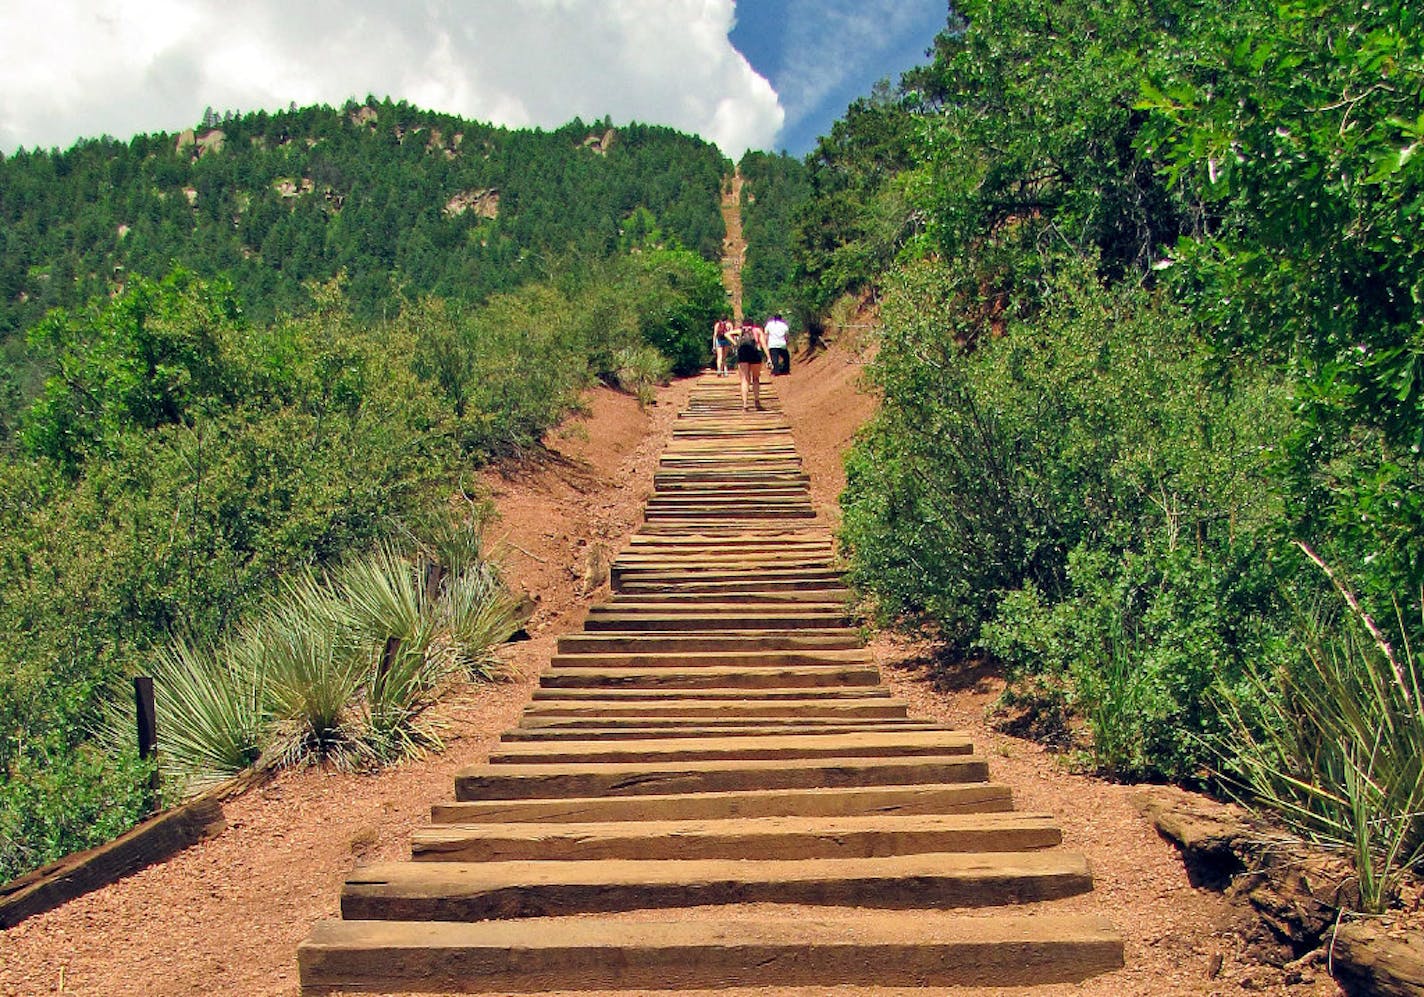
x=388, y=660
x=147, y=717
x=434, y=578
x=147, y=727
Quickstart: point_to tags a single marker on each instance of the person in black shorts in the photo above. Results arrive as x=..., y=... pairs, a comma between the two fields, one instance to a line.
x=778, y=356
x=751, y=348
x=721, y=344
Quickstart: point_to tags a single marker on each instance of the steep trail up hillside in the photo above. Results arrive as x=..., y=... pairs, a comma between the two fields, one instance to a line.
x=714, y=770
x=734, y=246
x=223, y=919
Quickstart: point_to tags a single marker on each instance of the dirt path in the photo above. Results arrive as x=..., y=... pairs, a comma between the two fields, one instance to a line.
x=225, y=917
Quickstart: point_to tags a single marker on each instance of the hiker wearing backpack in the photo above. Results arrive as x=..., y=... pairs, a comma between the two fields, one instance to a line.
x=751, y=349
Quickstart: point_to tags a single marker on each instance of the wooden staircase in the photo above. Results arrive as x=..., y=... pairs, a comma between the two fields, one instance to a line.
x=712, y=788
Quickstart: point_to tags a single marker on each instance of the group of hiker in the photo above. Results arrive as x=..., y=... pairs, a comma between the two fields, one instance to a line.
x=748, y=347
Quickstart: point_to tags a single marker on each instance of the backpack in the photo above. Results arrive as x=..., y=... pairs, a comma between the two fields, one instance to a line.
x=747, y=338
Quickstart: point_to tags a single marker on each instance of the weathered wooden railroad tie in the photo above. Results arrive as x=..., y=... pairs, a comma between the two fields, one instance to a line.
x=716, y=737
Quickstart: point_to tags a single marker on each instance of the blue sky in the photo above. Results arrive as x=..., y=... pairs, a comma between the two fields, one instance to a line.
x=763, y=74
x=819, y=55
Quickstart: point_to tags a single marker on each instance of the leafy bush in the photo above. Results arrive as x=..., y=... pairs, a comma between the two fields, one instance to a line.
x=1294, y=129
x=1077, y=497
x=678, y=296
x=181, y=463
x=82, y=794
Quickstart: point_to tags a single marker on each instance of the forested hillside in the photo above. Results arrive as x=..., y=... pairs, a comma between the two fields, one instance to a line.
x=245, y=374
x=1152, y=387
x=774, y=187
x=404, y=201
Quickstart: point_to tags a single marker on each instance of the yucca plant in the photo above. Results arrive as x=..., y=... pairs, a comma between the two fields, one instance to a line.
x=402, y=685
x=382, y=597
x=451, y=541
x=1335, y=750
x=313, y=670
x=394, y=625
x=639, y=369
x=212, y=722
x=478, y=612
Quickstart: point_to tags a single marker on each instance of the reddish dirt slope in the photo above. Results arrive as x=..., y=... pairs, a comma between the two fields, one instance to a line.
x=827, y=402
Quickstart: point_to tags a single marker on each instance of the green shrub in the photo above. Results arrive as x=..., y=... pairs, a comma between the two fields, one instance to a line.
x=181, y=463
x=1079, y=497
x=60, y=802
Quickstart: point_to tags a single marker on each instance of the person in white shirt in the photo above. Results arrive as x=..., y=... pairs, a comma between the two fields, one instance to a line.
x=780, y=356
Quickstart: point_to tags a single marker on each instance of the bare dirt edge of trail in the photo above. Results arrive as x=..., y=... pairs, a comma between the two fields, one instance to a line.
x=225, y=917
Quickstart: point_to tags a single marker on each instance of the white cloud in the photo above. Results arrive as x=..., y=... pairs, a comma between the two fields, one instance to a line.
x=831, y=41
x=80, y=68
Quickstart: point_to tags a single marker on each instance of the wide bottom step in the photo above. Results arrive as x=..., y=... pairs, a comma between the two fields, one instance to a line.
x=911, y=949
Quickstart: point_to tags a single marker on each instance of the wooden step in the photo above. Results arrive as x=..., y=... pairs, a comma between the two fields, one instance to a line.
x=711, y=677
x=888, y=949
x=781, y=838
x=688, y=586
x=655, y=511
x=472, y=891
x=619, y=620
x=492, y=782
x=848, y=801
x=731, y=725
x=829, y=639
x=725, y=560
x=764, y=694
x=874, y=707
x=829, y=597
x=730, y=545
x=752, y=728
x=711, y=608
x=900, y=744
x=679, y=542
x=674, y=481
x=725, y=528
x=712, y=659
